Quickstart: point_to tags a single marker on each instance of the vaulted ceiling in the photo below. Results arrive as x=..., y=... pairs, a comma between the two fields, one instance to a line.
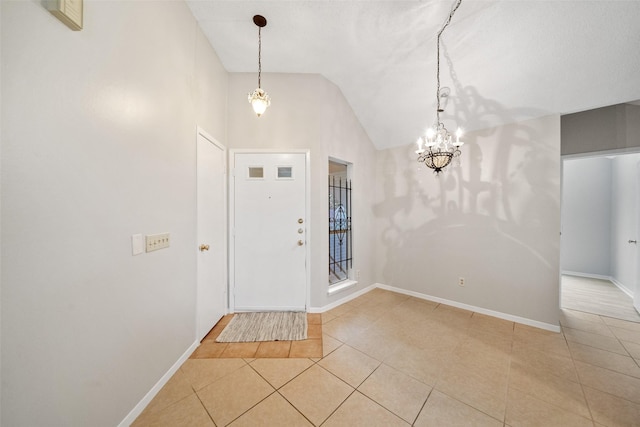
x=504, y=61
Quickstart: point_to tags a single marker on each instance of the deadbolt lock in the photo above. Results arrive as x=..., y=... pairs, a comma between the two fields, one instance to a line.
x=300, y=220
x=300, y=231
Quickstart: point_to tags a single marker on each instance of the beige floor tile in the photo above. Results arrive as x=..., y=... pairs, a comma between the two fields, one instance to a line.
x=424, y=365
x=234, y=394
x=177, y=388
x=540, y=340
x=327, y=317
x=240, y=349
x=442, y=410
x=605, y=359
x=549, y=388
x=273, y=411
x=611, y=382
x=524, y=410
x=396, y=391
x=633, y=349
x=626, y=334
x=306, y=348
x=594, y=340
x=350, y=365
x=612, y=411
x=329, y=344
x=187, y=412
x=314, y=318
x=278, y=372
x=357, y=410
x=623, y=324
x=375, y=343
x=573, y=322
x=482, y=358
x=341, y=329
x=548, y=362
x=483, y=392
x=278, y=349
x=201, y=372
x=209, y=349
x=581, y=315
x=490, y=324
x=316, y=393
x=314, y=331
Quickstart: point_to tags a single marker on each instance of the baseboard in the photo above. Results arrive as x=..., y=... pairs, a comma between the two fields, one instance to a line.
x=620, y=286
x=342, y=300
x=587, y=275
x=137, y=410
x=499, y=315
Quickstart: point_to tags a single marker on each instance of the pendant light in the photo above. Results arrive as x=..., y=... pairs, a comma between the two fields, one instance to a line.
x=259, y=99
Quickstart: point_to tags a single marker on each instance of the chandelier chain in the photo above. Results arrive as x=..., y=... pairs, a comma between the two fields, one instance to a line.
x=455, y=7
x=259, y=55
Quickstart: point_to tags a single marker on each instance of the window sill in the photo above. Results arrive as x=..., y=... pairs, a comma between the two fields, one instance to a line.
x=341, y=286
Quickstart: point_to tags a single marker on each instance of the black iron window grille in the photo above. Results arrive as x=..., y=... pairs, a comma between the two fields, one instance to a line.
x=340, y=242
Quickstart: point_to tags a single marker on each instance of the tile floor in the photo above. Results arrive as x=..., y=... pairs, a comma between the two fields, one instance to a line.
x=311, y=347
x=393, y=360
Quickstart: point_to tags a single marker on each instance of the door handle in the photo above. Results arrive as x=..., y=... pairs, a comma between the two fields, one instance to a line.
x=633, y=241
x=300, y=243
x=204, y=247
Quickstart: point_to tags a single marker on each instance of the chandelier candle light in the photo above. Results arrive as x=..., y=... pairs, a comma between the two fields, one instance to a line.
x=438, y=147
x=259, y=99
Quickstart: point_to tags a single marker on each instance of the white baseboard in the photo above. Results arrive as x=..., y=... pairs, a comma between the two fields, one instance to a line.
x=587, y=275
x=137, y=410
x=498, y=314
x=342, y=300
x=620, y=286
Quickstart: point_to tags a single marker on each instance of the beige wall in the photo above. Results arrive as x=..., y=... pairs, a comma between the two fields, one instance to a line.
x=98, y=143
x=494, y=220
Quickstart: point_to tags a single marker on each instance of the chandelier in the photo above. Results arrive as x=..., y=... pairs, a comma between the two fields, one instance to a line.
x=259, y=99
x=438, y=147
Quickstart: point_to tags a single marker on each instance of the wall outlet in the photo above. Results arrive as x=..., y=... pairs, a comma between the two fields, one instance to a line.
x=157, y=241
x=357, y=274
x=461, y=281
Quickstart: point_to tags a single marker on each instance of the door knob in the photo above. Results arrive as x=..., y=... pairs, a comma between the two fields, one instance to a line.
x=204, y=247
x=300, y=243
x=300, y=220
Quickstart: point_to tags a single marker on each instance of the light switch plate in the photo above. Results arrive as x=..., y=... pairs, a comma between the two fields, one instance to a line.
x=137, y=244
x=68, y=11
x=157, y=241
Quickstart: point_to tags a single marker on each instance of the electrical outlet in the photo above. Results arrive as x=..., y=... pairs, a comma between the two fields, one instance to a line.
x=157, y=241
x=357, y=274
x=461, y=281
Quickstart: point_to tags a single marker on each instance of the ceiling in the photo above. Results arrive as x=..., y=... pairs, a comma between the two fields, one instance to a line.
x=505, y=61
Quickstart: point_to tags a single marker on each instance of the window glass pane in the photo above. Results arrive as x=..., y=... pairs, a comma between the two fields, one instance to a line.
x=256, y=172
x=285, y=172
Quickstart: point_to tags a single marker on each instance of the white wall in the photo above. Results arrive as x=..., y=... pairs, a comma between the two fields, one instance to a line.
x=495, y=221
x=98, y=143
x=624, y=221
x=309, y=112
x=586, y=216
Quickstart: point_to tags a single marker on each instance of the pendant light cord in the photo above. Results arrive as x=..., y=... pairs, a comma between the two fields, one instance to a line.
x=259, y=55
x=446, y=24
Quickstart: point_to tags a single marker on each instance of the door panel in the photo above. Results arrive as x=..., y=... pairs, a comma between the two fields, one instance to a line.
x=270, y=231
x=212, y=243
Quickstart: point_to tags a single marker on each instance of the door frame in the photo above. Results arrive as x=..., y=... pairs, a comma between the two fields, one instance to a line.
x=232, y=206
x=225, y=246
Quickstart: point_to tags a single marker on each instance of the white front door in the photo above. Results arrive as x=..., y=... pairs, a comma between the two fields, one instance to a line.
x=212, y=241
x=269, y=231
